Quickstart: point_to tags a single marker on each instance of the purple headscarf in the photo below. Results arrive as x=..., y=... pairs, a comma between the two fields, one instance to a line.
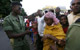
x=51, y=15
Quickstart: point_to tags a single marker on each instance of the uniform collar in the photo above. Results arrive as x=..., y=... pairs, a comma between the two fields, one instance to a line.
x=12, y=15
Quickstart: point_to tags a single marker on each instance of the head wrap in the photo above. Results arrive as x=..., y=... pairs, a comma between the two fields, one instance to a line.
x=51, y=15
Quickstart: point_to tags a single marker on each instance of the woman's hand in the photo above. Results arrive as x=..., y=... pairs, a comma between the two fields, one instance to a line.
x=50, y=37
x=61, y=42
x=53, y=47
x=46, y=36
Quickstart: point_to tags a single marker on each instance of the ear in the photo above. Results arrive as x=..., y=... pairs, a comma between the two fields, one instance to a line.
x=71, y=7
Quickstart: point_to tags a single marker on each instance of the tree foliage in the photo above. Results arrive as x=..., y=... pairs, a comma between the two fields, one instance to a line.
x=5, y=8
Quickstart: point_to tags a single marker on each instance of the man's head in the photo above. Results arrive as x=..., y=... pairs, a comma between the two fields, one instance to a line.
x=58, y=10
x=16, y=7
x=40, y=13
x=31, y=17
x=51, y=10
x=75, y=6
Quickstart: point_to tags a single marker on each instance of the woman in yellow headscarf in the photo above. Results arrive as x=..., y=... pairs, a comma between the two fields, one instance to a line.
x=53, y=33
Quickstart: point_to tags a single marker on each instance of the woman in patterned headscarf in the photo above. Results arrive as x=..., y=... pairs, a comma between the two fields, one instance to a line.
x=53, y=33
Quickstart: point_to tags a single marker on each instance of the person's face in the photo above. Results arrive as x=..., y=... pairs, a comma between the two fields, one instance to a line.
x=34, y=25
x=40, y=13
x=75, y=6
x=63, y=20
x=48, y=21
x=36, y=14
x=17, y=9
x=31, y=18
x=57, y=10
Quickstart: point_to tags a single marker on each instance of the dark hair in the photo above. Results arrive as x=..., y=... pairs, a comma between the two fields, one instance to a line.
x=51, y=10
x=57, y=7
x=39, y=10
x=15, y=3
x=46, y=11
x=63, y=16
x=69, y=11
x=67, y=24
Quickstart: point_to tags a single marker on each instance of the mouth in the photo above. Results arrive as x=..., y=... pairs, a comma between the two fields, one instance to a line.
x=77, y=7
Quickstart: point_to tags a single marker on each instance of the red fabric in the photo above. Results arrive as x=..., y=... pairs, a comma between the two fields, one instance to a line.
x=65, y=29
x=27, y=21
x=34, y=31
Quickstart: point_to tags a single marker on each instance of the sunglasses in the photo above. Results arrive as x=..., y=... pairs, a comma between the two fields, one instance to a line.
x=19, y=8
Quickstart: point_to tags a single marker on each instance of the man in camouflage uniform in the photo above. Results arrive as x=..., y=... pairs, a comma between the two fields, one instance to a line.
x=14, y=26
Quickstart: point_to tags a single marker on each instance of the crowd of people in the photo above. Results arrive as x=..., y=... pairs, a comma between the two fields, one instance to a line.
x=47, y=30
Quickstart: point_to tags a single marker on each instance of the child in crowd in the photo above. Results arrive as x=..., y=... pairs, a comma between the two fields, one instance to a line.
x=35, y=31
x=34, y=34
x=64, y=22
x=53, y=33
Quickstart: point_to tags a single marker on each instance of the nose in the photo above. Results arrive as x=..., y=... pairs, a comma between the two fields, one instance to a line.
x=76, y=5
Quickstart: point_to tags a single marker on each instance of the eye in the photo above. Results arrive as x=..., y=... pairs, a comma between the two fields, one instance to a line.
x=78, y=3
x=73, y=4
x=20, y=8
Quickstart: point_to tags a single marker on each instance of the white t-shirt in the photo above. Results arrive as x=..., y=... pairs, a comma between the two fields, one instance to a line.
x=41, y=25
